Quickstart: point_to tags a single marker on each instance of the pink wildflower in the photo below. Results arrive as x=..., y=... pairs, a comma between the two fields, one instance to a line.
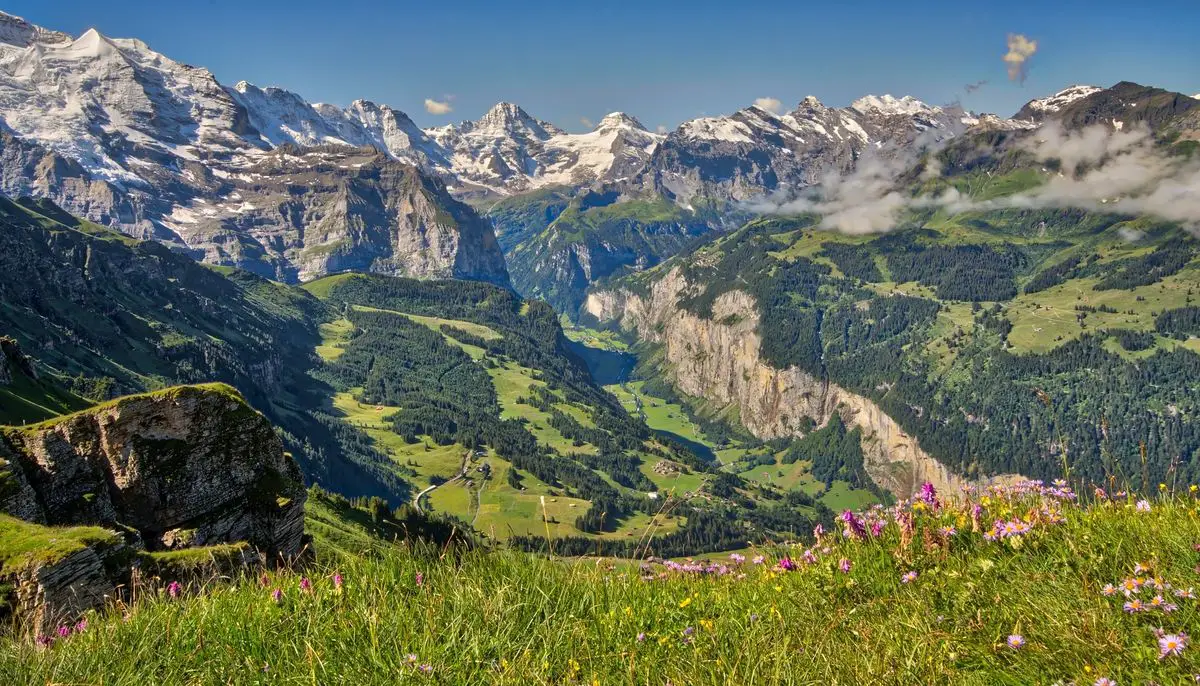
x=173, y=589
x=844, y=565
x=1172, y=644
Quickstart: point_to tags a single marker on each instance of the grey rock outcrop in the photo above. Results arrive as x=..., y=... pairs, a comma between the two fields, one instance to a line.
x=187, y=466
x=717, y=360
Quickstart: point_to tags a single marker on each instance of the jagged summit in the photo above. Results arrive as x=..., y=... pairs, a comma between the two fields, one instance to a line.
x=616, y=119
x=888, y=104
x=16, y=31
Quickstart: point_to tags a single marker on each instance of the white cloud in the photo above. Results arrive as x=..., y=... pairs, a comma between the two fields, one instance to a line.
x=1098, y=169
x=662, y=128
x=587, y=122
x=772, y=105
x=1020, y=49
x=867, y=200
x=438, y=106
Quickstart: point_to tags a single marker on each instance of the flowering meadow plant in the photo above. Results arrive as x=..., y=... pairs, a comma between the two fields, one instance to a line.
x=1017, y=583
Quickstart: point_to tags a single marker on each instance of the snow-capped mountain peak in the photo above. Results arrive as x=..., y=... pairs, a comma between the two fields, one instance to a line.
x=508, y=118
x=1040, y=108
x=811, y=102
x=619, y=120
x=20, y=33
x=890, y=105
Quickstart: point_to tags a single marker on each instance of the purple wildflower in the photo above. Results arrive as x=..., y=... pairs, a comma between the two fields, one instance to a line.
x=277, y=595
x=81, y=626
x=1143, y=506
x=689, y=631
x=736, y=558
x=305, y=584
x=1016, y=641
x=1172, y=644
x=818, y=532
x=844, y=565
x=759, y=559
x=1104, y=681
x=1134, y=605
x=420, y=579
x=928, y=494
x=641, y=636
x=877, y=528
x=425, y=668
x=173, y=589
x=909, y=577
x=787, y=564
x=64, y=631
x=44, y=641
x=854, y=526
x=337, y=582
x=808, y=557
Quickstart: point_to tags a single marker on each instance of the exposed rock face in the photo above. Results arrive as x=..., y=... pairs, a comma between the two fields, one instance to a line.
x=718, y=360
x=56, y=592
x=161, y=150
x=188, y=466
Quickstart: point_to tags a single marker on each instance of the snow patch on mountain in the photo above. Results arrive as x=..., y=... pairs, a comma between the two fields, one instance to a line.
x=1040, y=108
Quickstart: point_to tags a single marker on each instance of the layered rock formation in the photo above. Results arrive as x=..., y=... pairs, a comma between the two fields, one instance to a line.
x=184, y=467
x=717, y=359
x=192, y=465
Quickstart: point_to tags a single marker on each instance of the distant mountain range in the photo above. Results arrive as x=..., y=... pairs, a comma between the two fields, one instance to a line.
x=261, y=179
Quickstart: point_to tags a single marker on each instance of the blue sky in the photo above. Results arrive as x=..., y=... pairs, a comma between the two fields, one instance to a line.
x=660, y=61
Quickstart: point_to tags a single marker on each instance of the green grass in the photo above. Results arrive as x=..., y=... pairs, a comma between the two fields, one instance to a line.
x=323, y=286
x=1047, y=319
x=335, y=335
x=28, y=400
x=660, y=414
x=216, y=387
x=23, y=544
x=510, y=618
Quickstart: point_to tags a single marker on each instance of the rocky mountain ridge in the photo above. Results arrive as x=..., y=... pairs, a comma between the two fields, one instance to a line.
x=124, y=136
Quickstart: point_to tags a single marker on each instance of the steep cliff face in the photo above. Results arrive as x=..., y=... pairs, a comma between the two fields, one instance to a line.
x=718, y=360
x=188, y=466
x=297, y=214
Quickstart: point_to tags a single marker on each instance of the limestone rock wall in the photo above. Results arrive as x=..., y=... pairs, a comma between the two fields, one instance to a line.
x=718, y=359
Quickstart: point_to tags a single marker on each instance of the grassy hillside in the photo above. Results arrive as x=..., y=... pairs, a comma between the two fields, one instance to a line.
x=929, y=593
x=478, y=401
x=1075, y=331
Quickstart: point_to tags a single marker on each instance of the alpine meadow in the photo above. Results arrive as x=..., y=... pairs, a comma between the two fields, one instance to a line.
x=293, y=392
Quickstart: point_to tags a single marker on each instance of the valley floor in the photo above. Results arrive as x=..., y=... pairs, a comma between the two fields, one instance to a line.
x=1030, y=588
